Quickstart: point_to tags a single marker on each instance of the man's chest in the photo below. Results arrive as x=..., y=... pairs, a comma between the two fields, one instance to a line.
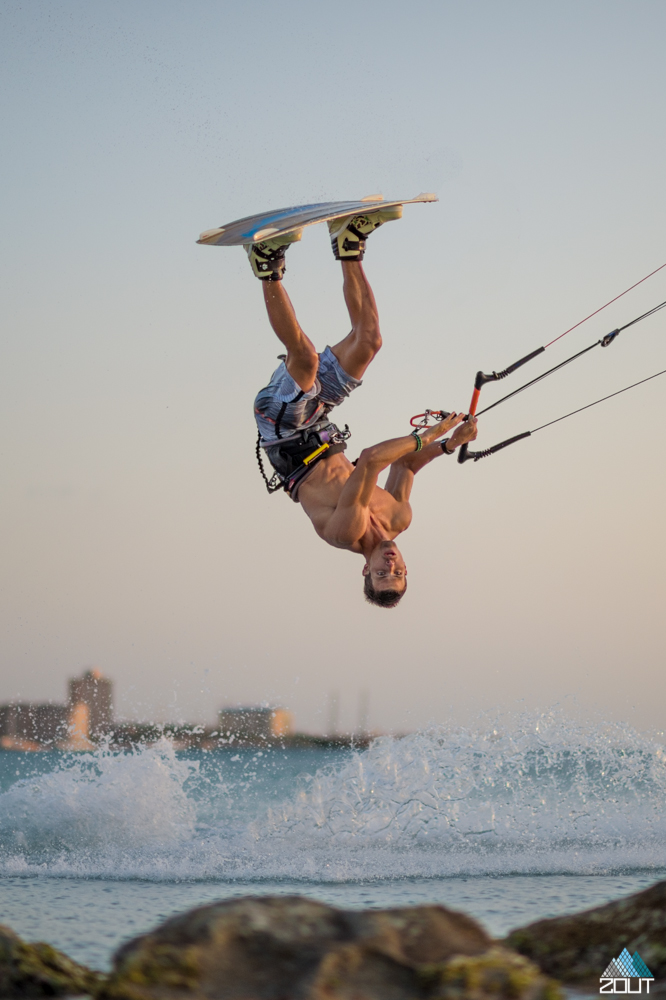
x=385, y=513
x=351, y=528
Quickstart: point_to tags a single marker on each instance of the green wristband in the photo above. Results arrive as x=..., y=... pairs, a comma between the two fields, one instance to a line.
x=419, y=442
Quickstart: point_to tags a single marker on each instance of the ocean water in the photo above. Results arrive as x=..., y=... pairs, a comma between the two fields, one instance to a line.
x=512, y=821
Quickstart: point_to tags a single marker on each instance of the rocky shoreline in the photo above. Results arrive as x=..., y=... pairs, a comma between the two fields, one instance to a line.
x=293, y=948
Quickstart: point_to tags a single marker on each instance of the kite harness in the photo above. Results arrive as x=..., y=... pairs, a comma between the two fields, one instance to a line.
x=293, y=460
x=464, y=455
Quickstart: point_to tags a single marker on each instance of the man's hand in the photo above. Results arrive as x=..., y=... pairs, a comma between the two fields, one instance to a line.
x=401, y=476
x=439, y=430
x=466, y=432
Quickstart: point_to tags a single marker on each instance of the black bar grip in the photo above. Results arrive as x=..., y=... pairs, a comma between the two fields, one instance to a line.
x=523, y=361
x=482, y=378
x=462, y=454
x=476, y=455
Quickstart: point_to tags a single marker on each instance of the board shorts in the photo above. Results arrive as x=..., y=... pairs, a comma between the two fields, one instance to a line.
x=282, y=410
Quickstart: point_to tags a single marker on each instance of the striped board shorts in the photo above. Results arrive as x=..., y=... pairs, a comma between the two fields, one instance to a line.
x=282, y=410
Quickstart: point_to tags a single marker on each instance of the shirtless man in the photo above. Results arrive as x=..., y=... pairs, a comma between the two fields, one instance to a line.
x=346, y=506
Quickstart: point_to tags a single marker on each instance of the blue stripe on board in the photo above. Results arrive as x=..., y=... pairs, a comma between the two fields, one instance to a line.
x=322, y=209
x=261, y=221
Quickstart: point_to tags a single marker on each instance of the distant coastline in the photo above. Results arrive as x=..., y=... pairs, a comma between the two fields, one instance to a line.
x=131, y=735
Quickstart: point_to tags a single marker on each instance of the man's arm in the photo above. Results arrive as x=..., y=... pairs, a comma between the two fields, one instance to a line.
x=349, y=521
x=358, y=488
x=401, y=477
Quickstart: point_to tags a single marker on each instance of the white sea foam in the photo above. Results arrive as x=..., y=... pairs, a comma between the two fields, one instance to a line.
x=530, y=795
x=96, y=802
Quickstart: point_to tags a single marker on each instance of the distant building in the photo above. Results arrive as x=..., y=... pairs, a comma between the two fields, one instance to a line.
x=252, y=724
x=86, y=717
x=31, y=726
x=91, y=704
x=78, y=729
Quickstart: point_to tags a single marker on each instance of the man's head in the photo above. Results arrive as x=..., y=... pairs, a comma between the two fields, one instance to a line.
x=385, y=575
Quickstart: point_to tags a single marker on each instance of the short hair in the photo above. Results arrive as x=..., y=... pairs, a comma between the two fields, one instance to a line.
x=382, y=598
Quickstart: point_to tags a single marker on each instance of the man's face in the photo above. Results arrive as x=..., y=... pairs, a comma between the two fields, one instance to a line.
x=386, y=567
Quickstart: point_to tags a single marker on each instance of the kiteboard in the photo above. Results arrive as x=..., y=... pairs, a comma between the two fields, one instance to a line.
x=268, y=225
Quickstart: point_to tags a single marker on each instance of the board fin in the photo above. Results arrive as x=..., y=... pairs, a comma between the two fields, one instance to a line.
x=263, y=234
x=210, y=235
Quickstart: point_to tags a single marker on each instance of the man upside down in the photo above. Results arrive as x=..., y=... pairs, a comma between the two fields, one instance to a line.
x=346, y=506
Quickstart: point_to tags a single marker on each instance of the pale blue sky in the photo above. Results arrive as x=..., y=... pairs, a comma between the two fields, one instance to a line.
x=138, y=535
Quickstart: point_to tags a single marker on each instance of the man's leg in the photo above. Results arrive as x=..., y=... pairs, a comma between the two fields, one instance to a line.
x=302, y=358
x=359, y=347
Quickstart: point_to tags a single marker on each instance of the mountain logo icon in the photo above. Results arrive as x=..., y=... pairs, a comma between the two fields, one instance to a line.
x=616, y=976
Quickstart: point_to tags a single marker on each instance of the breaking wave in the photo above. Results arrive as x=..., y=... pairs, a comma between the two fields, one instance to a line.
x=533, y=795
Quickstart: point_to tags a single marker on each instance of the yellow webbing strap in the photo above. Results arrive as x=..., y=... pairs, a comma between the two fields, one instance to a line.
x=315, y=454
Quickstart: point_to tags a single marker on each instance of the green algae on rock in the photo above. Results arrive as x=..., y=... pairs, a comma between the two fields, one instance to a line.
x=498, y=973
x=577, y=948
x=38, y=970
x=291, y=947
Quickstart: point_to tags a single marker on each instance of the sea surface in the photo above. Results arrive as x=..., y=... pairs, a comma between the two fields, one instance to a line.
x=512, y=821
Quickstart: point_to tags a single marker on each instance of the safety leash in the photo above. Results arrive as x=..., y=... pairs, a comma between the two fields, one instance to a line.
x=274, y=483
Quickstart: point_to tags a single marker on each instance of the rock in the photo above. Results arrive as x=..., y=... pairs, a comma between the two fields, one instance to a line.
x=291, y=948
x=578, y=948
x=499, y=973
x=38, y=970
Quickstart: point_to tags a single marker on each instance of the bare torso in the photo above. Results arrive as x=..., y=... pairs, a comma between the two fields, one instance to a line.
x=383, y=518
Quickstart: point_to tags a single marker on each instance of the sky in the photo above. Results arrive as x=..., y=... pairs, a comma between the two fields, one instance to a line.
x=136, y=532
